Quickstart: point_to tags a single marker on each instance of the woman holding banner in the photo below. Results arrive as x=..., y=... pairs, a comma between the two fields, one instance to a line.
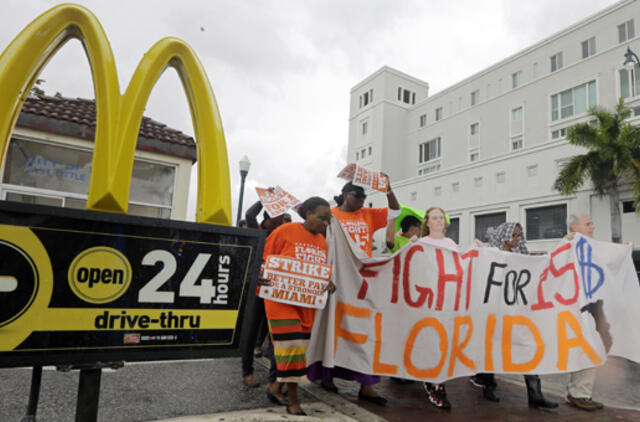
x=433, y=231
x=509, y=237
x=290, y=325
x=360, y=223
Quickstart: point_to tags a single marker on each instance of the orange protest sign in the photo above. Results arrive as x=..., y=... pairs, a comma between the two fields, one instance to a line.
x=364, y=177
x=276, y=201
x=297, y=282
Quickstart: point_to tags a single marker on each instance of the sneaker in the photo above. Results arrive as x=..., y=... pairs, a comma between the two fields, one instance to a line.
x=584, y=403
x=475, y=382
x=437, y=395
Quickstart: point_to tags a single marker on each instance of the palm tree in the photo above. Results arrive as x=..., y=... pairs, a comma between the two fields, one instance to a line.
x=612, y=160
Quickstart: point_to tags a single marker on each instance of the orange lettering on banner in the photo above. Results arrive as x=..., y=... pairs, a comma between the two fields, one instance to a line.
x=343, y=309
x=508, y=321
x=408, y=348
x=379, y=367
x=488, y=343
x=564, y=343
x=457, y=348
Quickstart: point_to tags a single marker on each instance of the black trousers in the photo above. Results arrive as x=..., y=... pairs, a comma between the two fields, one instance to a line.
x=257, y=321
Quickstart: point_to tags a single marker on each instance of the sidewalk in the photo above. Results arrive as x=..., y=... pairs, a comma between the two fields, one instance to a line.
x=617, y=386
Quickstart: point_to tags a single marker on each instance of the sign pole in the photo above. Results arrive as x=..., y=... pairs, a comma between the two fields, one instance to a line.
x=34, y=394
x=88, y=395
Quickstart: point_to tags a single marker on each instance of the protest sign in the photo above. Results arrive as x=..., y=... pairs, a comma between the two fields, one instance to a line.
x=276, y=201
x=364, y=177
x=297, y=282
x=429, y=313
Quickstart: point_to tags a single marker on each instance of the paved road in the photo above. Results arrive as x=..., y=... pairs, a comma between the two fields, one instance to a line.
x=145, y=392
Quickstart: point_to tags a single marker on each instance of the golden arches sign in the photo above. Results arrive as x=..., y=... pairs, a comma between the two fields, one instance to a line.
x=119, y=116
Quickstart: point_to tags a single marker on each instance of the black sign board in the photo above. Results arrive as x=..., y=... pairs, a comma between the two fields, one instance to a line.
x=84, y=286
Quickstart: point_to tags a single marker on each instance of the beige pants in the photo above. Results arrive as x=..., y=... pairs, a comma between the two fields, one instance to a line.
x=580, y=383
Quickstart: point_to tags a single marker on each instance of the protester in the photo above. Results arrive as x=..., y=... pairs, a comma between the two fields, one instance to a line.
x=360, y=223
x=242, y=224
x=509, y=237
x=410, y=227
x=290, y=325
x=433, y=231
x=580, y=385
x=257, y=324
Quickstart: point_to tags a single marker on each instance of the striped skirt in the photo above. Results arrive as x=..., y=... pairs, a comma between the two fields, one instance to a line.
x=290, y=341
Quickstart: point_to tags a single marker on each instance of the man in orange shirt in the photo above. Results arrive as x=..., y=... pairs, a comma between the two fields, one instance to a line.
x=360, y=223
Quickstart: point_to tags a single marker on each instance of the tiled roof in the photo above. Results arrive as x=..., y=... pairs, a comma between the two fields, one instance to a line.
x=51, y=114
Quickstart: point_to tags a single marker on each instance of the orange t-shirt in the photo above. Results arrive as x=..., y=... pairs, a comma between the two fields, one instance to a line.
x=292, y=239
x=362, y=224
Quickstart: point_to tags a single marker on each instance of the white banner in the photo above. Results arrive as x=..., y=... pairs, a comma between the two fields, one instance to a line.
x=433, y=314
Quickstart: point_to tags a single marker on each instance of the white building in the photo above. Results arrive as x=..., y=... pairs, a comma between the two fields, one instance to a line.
x=49, y=160
x=489, y=148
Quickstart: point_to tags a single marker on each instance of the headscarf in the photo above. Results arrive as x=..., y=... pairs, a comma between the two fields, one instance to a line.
x=504, y=233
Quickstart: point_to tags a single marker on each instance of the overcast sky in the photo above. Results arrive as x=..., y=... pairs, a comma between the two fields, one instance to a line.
x=282, y=70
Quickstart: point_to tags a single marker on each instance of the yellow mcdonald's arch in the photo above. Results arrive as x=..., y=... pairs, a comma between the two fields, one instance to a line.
x=119, y=116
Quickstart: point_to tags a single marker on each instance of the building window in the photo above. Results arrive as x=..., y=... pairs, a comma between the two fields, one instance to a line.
x=414, y=196
x=428, y=169
x=589, y=47
x=455, y=186
x=501, y=177
x=559, y=133
x=399, y=94
x=364, y=127
x=630, y=82
x=487, y=223
x=437, y=190
x=413, y=98
x=474, y=156
x=516, y=114
x=59, y=175
x=477, y=181
x=475, y=97
x=627, y=207
x=406, y=96
x=626, y=31
x=516, y=142
x=370, y=149
x=423, y=120
x=366, y=98
x=429, y=150
x=516, y=79
x=573, y=101
x=532, y=171
x=556, y=61
x=363, y=152
x=546, y=222
x=474, y=128
x=357, y=155
x=453, y=231
x=438, y=113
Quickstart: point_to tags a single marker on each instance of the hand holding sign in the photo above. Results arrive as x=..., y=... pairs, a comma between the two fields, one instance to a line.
x=276, y=201
x=364, y=177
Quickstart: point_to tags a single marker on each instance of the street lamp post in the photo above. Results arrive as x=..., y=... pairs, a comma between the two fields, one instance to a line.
x=630, y=59
x=245, y=164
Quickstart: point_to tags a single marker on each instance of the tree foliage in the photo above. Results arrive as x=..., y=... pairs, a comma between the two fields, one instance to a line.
x=613, y=156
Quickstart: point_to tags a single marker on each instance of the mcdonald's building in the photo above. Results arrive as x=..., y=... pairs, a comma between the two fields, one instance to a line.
x=50, y=155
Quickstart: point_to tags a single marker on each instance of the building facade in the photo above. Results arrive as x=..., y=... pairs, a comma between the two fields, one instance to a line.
x=49, y=159
x=489, y=148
